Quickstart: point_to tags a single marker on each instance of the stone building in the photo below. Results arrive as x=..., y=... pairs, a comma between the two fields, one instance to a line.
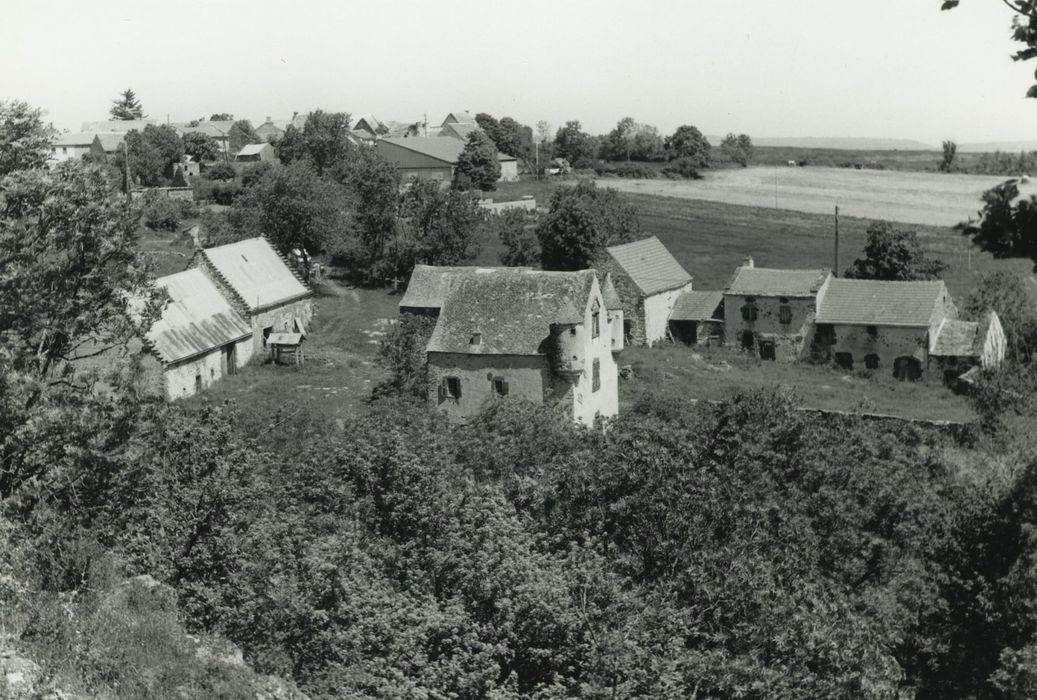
x=504, y=333
x=198, y=339
x=649, y=281
x=260, y=285
x=698, y=318
x=771, y=312
x=960, y=346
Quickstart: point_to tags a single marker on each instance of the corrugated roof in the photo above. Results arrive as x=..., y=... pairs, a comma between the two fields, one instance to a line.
x=256, y=273
x=879, y=303
x=697, y=306
x=511, y=309
x=197, y=319
x=764, y=281
x=609, y=294
x=444, y=149
x=650, y=265
x=955, y=338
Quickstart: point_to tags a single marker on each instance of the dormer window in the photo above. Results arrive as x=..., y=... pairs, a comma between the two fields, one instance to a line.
x=476, y=339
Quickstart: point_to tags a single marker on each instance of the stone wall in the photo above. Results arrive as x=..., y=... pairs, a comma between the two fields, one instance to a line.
x=883, y=343
x=791, y=340
x=657, y=310
x=279, y=320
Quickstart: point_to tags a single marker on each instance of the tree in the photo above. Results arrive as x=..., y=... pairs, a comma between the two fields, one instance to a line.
x=516, y=229
x=893, y=254
x=1006, y=293
x=619, y=143
x=478, y=166
x=437, y=227
x=1007, y=225
x=572, y=143
x=375, y=183
x=127, y=107
x=202, y=147
x=489, y=124
x=222, y=117
x=582, y=222
x=152, y=154
x=687, y=142
x=240, y=135
x=323, y=141
x=24, y=138
x=737, y=149
x=950, y=150
x=402, y=352
x=1024, y=29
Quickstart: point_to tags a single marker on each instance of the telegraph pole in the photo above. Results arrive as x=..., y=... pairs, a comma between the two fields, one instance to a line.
x=835, y=271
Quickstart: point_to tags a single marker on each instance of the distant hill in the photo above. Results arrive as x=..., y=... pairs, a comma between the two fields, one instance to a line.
x=1003, y=146
x=848, y=143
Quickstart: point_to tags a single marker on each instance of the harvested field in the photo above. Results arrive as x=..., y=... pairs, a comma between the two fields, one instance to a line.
x=934, y=199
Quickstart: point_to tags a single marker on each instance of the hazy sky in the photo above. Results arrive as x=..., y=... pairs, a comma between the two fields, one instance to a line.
x=875, y=68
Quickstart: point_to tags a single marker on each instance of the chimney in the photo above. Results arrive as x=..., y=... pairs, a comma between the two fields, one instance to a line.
x=269, y=120
x=748, y=262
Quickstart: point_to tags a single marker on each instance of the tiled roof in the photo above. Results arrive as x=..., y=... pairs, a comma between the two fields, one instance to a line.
x=428, y=285
x=444, y=149
x=256, y=273
x=878, y=303
x=197, y=318
x=609, y=294
x=511, y=309
x=650, y=265
x=764, y=281
x=955, y=338
x=697, y=306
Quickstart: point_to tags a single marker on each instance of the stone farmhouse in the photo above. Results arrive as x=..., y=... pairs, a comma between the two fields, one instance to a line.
x=546, y=337
x=771, y=312
x=649, y=281
x=260, y=285
x=198, y=339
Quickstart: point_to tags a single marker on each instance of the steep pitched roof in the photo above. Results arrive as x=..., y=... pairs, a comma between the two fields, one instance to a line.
x=459, y=131
x=197, y=318
x=257, y=274
x=609, y=294
x=512, y=310
x=955, y=338
x=428, y=285
x=111, y=142
x=878, y=303
x=697, y=306
x=764, y=281
x=650, y=265
x=82, y=139
x=446, y=150
x=458, y=118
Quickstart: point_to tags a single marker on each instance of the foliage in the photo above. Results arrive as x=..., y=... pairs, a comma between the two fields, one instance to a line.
x=24, y=138
x=893, y=254
x=686, y=168
x=509, y=136
x=375, y=184
x=127, y=107
x=631, y=140
x=323, y=141
x=220, y=171
x=516, y=229
x=572, y=144
x=737, y=149
x=402, y=352
x=218, y=192
x=240, y=135
x=152, y=153
x=1006, y=294
x=296, y=209
x=478, y=166
x=1024, y=30
x=582, y=221
x=202, y=147
x=254, y=173
x=950, y=150
x=160, y=213
x=688, y=144
x=1007, y=227
x=437, y=227
x=221, y=117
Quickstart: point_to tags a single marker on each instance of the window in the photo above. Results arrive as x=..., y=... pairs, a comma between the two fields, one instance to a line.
x=785, y=313
x=749, y=310
x=596, y=375
x=871, y=361
x=500, y=386
x=767, y=351
x=476, y=339
x=197, y=383
x=872, y=331
x=452, y=387
x=266, y=334
x=844, y=360
x=595, y=327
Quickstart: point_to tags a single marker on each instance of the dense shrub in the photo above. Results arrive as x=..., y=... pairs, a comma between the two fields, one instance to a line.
x=161, y=213
x=220, y=171
x=218, y=192
x=682, y=168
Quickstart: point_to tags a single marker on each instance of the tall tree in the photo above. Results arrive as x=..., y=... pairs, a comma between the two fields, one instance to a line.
x=1007, y=225
x=201, y=147
x=221, y=117
x=893, y=254
x=619, y=143
x=375, y=183
x=437, y=227
x=688, y=142
x=583, y=220
x=240, y=135
x=127, y=106
x=737, y=149
x=478, y=166
x=572, y=143
x=24, y=138
x=152, y=153
x=323, y=141
x=950, y=150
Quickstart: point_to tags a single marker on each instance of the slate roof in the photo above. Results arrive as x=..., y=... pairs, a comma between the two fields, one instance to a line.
x=955, y=338
x=650, y=265
x=444, y=149
x=697, y=306
x=196, y=320
x=609, y=294
x=762, y=281
x=256, y=273
x=878, y=303
x=215, y=130
x=427, y=286
x=512, y=309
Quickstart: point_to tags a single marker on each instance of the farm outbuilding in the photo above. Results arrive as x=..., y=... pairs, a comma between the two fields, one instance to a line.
x=428, y=157
x=261, y=285
x=698, y=318
x=649, y=281
x=199, y=337
x=256, y=153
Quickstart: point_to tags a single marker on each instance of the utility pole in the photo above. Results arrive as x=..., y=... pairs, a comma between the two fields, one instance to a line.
x=835, y=271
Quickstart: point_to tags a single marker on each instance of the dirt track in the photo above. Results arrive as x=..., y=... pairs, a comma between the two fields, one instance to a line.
x=921, y=198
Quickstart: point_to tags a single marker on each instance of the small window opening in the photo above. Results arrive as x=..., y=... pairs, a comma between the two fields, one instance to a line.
x=785, y=314
x=452, y=387
x=476, y=339
x=871, y=361
x=872, y=331
x=500, y=386
x=844, y=360
x=595, y=325
x=596, y=375
x=749, y=310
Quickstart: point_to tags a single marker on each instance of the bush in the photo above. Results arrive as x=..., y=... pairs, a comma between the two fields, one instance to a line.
x=682, y=168
x=620, y=169
x=252, y=174
x=161, y=213
x=218, y=192
x=220, y=171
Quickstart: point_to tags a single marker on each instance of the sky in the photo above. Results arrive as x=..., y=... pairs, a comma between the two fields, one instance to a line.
x=769, y=68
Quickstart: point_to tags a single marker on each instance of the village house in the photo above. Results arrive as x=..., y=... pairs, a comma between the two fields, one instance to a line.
x=74, y=147
x=541, y=336
x=458, y=130
x=771, y=312
x=427, y=287
x=649, y=281
x=260, y=285
x=198, y=339
x=270, y=130
x=256, y=153
x=218, y=131
x=698, y=318
x=904, y=328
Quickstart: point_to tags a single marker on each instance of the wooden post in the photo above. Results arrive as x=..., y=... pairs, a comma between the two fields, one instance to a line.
x=835, y=270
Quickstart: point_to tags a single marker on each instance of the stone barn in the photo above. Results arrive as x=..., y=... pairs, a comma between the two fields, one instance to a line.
x=261, y=286
x=882, y=326
x=649, y=281
x=961, y=345
x=199, y=337
x=770, y=312
x=698, y=318
x=505, y=333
